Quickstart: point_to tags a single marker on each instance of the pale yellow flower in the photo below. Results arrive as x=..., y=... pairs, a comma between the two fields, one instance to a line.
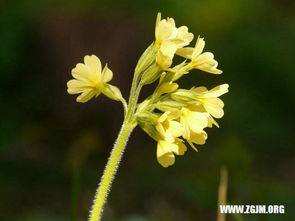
x=166, y=151
x=169, y=129
x=203, y=61
x=167, y=87
x=90, y=79
x=209, y=99
x=198, y=138
x=193, y=122
x=168, y=40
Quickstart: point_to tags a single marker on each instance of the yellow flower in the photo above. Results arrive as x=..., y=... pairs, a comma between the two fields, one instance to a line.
x=169, y=129
x=168, y=40
x=209, y=99
x=90, y=79
x=166, y=87
x=198, y=138
x=166, y=151
x=203, y=61
x=193, y=122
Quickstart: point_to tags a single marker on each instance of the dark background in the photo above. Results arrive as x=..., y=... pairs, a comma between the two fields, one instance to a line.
x=53, y=150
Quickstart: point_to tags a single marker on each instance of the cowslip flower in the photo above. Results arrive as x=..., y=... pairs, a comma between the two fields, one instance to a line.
x=209, y=99
x=90, y=79
x=203, y=61
x=169, y=129
x=193, y=122
x=166, y=87
x=168, y=40
x=166, y=151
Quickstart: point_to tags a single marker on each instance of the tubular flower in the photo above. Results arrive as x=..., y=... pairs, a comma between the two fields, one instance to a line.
x=166, y=151
x=167, y=87
x=168, y=142
x=167, y=127
x=210, y=101
x=90, y=79
x=193, y=122
x=202, y=61
x=168, y=40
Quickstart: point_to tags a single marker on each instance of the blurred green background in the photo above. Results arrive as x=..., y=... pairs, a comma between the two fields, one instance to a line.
x=53, y=150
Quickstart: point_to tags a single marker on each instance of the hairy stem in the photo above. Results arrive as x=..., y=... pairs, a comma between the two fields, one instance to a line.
x=111, y=168
x=110, y=171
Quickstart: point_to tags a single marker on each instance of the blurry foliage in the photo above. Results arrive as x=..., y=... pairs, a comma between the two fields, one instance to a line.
x=53, y=150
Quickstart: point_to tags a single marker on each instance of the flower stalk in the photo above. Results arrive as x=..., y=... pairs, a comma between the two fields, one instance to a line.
x=117, y=152
x=110, y=171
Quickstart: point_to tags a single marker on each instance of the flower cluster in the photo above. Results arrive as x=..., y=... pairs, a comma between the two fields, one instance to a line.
x=172, y=116
x=184, y=114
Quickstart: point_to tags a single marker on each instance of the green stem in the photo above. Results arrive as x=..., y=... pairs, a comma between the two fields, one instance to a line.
x=111, y=168
x=110, y=171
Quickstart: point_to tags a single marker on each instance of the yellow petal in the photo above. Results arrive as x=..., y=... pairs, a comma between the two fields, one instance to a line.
x=87, y=95
x=81, y=72
x=217, y=91
x=203, y=58
x=181, y=147
x=214, y=107
x=206, y=62
x=211, y=121
x=199, y=138
x=171, y=22
x=164, y=30
x=107, y=74
x=175, y=128
x=93, y=63
x=164, y=155
x=165, y=55
x=199, y=47
x=167, y=87
x=183, y=36
x=196, y=121
x=200, y=90
x=158, y=21
x=174, y=114
x=186, y=129
x=76, y=86
x=185, y=52
x=90, y=71
x=163, y=61
x=160, y=129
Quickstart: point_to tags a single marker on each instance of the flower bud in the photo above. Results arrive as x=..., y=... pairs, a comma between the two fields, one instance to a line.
x=152, y=73
x=146, y=59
